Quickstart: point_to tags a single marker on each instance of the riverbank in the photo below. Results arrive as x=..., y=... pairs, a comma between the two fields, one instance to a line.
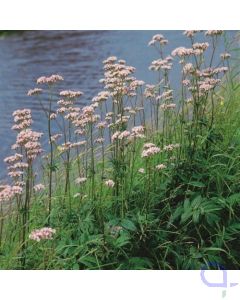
x=121, y=190
x=77, y=56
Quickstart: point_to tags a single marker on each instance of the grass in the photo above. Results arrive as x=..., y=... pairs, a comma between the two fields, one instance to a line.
x=170, y=205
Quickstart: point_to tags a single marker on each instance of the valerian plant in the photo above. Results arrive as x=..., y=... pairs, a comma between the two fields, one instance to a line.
x=143, y=177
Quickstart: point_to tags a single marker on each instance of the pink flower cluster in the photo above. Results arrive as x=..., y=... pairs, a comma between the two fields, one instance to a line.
x=67, y=107
x=8, y=192
x=101, y=97
x=169, y=106
x=68, y=145
x=150, y=91
x=71, y=94
x=161, y=64
x=13, y=159
x=167, y=95
x=182, y=52
x=55, y=137
x=49, y=80
x=149, y=150
x=124, y=134
x=118, y=80
x=158, y=38
x=35, y=91
x=22, y=118
x=213, y=32
x=188, y=69
x=141, y=171
x=80, y=180
x=38, y=187
x=109, y=183
x=29, y=139
x=101, y=125
x=115, y=136
x=171, y=147
x=28, y=143
x=136, y=132
x=15, y=167
x=207, y=85
x=191, y=33
x=99, y=140
x=225, y=55
x=161, y=167
x=45, y=233
x=207, y=79
x=199, y=48
x=86, y=117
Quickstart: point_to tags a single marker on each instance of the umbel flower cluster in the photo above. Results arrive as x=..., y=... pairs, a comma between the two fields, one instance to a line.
x=27, y=148
x=93, y=149
x=45, y=233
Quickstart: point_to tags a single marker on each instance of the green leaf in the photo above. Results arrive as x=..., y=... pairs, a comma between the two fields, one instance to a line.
x=122, y=240
x=88, y=261
x=195, y=217
x=140, y=263
x=186, y=216
x=214, y=249
x=186, y=204
x=197, y=184
x=196, y=202
x=128, y=224
x=212, y=219
x=176, y=214
x=75, y=266
x=233, y=199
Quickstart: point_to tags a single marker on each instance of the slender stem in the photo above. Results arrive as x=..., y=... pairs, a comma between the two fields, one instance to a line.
x=51, y=159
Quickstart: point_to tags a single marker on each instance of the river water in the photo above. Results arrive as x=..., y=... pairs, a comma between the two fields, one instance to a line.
x=77, y=56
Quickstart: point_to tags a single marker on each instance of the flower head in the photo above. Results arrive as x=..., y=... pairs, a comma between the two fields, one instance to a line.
x=38, y=187
x=109, y=183
x=150, y=151
x=71, y=94
x=225, y=55
x=80, y=180
x=35, y=91
x=160, y=167
x=45, y=233
x=6, y=193
x=213, y=32
x=158, y=38
x=190, y=33
x=49, y=80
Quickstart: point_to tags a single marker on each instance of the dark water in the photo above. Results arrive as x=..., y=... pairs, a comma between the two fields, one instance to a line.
x=77, y=56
